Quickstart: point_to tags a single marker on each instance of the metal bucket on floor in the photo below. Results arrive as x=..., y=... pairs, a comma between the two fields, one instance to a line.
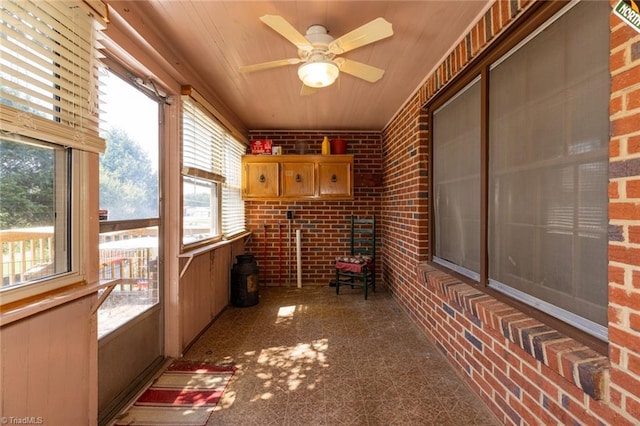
x=244, y=281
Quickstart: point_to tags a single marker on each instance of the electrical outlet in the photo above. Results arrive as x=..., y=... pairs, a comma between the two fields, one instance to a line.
x=289, y=214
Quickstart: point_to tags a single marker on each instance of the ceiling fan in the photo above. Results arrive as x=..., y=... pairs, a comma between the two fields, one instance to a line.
x=317, y=52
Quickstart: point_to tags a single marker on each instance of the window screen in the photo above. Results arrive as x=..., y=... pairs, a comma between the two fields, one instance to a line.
x=549, y=133
x=456, y=181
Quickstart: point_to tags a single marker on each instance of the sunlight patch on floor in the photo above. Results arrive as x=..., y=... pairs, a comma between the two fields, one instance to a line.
x=286, y=368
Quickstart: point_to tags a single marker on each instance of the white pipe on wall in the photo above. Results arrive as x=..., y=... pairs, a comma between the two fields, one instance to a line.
x=299, y=256
x=289, y=255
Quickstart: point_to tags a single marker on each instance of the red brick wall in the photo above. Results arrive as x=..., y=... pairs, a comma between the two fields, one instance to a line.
x=524, y=370
x=405, y=201
x=324, y=225
x=624, y=219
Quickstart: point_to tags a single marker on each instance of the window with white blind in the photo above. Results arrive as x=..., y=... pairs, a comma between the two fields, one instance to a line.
x=212, y=202
x=232, y=203
x=48, y=73
x=203, y=140
x=49, y=117
x=537, y=231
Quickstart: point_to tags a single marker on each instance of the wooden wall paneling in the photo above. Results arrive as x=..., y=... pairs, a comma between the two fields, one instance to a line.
x=45, y=367
x=204, y=289
x=220, y=269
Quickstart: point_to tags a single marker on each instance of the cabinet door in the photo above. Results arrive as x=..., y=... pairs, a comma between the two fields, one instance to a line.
x=335, y=179
x=298, y=179
x=261, y=180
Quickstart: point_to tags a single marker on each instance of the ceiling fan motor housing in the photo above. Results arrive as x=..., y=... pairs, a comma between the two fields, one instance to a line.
x=319, y=39
x=318, y=34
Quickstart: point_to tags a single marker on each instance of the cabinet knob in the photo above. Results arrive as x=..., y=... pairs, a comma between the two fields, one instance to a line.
x=334, y=178
x=262, y=179
x=298, y=178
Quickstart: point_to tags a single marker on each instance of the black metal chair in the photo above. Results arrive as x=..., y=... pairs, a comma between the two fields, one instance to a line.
x=358, y=268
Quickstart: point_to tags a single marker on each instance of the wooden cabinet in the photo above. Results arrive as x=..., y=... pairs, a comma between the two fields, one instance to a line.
x=263, y=179
x=334, y=179
x=297, y=177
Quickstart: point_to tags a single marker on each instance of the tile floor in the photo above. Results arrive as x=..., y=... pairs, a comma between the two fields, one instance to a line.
x=309, y=357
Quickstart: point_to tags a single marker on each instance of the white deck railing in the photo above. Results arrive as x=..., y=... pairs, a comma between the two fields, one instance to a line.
x=29, y=254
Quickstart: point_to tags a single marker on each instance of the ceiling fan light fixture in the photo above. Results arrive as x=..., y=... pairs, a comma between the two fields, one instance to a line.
x=319, y=73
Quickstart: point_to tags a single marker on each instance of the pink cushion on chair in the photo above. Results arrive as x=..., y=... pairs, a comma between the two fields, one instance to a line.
x=354, y=263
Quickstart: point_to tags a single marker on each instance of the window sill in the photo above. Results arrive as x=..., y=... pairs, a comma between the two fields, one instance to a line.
x=21, y=309
x=190, y=254
x=581, y=365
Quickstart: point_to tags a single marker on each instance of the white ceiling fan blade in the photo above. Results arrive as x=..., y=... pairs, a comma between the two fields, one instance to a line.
x=375, y=30
x=271, y=64
x=286, y=30
x=360, y=70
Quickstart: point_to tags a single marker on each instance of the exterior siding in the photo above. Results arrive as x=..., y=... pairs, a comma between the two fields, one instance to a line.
x=526, y=372
x=624, y=219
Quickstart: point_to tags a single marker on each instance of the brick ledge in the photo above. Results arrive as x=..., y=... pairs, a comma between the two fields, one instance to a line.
x=580, y=365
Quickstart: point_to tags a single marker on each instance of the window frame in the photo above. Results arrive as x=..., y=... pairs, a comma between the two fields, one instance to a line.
x=140, y=225
x=470, y=273
x=224, y=179
x=35, y=104
x=534, y=18
x=217, y=182
x=77, y=198
x=108, y=225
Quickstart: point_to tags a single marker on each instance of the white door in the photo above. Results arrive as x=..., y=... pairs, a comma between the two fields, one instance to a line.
x=130, y=328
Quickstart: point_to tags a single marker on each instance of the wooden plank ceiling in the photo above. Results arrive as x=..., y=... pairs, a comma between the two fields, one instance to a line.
x=212, y=39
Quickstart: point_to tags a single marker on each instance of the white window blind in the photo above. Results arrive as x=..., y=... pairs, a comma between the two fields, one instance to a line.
x=48, y=72
x=203, y=140
x=232, y=204
x=210, y=153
